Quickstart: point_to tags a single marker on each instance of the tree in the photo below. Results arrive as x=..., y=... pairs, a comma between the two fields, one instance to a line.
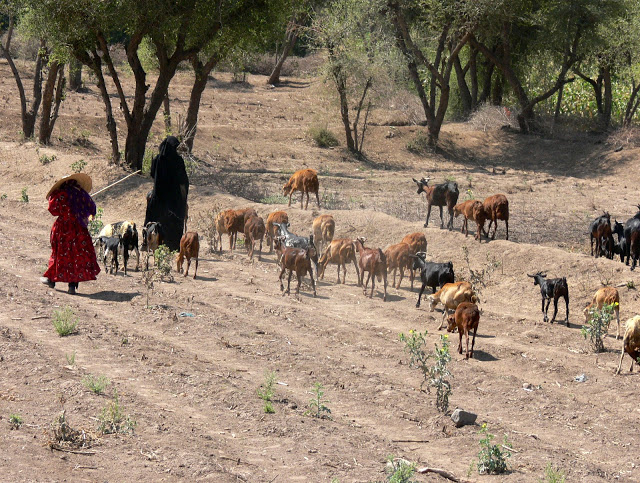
x=436, y=49
x=356, y=42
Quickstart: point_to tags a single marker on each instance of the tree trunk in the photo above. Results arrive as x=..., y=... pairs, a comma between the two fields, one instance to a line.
x=201, y=76
x=608, y=98
x=463, y=88
x=341, y=85
x=166, y=107
x=632, y=105
x=51, y=99
x=75, y=75
x=556, y=113
x=290, y=40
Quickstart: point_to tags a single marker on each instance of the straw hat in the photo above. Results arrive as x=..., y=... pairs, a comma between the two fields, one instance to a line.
x=83, y=180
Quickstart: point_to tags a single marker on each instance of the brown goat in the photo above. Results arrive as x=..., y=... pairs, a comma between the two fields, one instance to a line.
x=305, y=181
x=296, y=260
x=399, y=258
x=253, y=231
x=605, y=296
x=471, y=210
x=272, y=231
x=418, y=243
x=451, y=295
x=234, y=223
x=372, y=260
x=496, y=208
x=444, y=194
x=323, y=228
x=631, y=342
x=220, y=225
x=465, y=318
x=189, y=248
x=340, y=252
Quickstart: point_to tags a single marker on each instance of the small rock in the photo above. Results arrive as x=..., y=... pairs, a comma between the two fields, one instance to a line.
x=580, y=378
x=462, y=418
x=527, y=386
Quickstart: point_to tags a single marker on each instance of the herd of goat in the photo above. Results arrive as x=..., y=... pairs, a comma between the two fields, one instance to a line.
x=301, y=255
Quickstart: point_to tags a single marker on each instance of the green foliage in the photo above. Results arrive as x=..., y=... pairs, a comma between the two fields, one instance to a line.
x=146, y=162
x=492, y=458
x=112, y=419
x=15, y=421
x=164, y=260
x=267, y=390
x=78, y=166
x=597, y=325
x=96, y=384
x=275, y=200
x=552, y=475
x=438, y=374
x=64, y=321
x=630, y=284
x=323, y=137
x=44, y=159
x=419, y=144
x=147, y=55
x=399, y=470
x=418, y=356
x=71, y=358
x=318, y=404
x=3, y=197
x=24, y=196
x=96, y=224
x=469, y=195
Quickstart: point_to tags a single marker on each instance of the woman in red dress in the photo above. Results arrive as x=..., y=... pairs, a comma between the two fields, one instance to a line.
x=73, y=257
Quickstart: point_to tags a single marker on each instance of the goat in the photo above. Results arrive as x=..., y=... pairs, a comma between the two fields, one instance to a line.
x=129, y=232
x=293, y=240
x=189, y=248
x=323, y=228
x=152, y=238
x=631, y=341
x=439, y=195
x=632, y=237
x=399, y=257
x=605, y=296
x=110, y=244
x=253, y=231
x=340, y=252
x=220, y=226
x=471, y=210
x=465, y=319
x=271, y=229
x=600, y=229
x=552, y=288
x=451, y=295
x=374, y=261
x=305, y=181
x=621, y=246
x=432, y=274
x=496, y=208
x=418, y=243
x=234, y=223
x=298, y=260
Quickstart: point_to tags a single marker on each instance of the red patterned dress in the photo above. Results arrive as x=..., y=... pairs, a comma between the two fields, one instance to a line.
x=73, y=257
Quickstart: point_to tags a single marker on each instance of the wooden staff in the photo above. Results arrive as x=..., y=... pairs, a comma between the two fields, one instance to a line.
x=113, y=184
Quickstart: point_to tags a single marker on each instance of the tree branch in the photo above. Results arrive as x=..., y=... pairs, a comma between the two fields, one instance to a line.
x=114, y=75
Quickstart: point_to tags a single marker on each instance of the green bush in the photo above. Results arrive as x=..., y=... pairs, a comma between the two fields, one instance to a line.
x=598, y=325
x=96, y=224
x=164, y=260
x=78, y=166
x=438, y=374
x=419, y=144
x=44, y=159
x=318, y=404
x=15, y=421
x=64, y=321
x=112, y=419
x=399, y=470
x=491, y=458
x=551, y=475
x=266, y=392
x=323, y=137
x=96, y=384
x=24, y=196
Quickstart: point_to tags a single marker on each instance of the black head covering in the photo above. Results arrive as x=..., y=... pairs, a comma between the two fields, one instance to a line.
x=168, y=201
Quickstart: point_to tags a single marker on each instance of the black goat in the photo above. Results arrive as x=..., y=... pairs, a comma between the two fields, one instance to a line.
x=600, y=231
x=439, y=195
x=552, y=288
x=110, y=244
x=620, y=247
x=129, y=233
x=432, y=274
x=632, y=239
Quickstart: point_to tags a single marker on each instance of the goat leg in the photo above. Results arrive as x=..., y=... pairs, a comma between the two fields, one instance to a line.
x=555, y=308
x=544, y=312
x=318, y=199
x=196, y=269
x=473, y=341
x=280, y=278
x=289, y=282
x=460, y=342
x=313, y=286
x=566, y=299
x=441, y=219
x=426, y=223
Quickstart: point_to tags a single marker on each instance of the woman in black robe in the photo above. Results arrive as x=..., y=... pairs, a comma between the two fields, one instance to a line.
x=167, y=203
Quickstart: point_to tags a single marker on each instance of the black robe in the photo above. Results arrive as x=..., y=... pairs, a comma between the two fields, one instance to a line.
x=168, y=201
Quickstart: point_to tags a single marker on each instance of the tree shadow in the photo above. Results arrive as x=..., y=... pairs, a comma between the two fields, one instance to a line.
x=292, y=84
x=111, y=296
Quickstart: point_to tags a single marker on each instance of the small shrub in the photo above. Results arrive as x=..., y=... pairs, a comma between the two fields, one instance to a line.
x=24, y=196
x=112, y=420
x=318, y=405
x=469, y=195
x=323, y=137
x=267, y=390
x=598, y=325
x=64, y=436
x=206, y=224
x=419, y=144
x=480, y=278
x=630, y=284
x=275, y=200
x=418, y=356
x=44, y=159
x=551, y=475
x=96, y=384
x=78, y=166
x=449, y=177
x=3, y=197
x=71, y=358
x=96, y=224
x=164, y=260
x=399, y=470
x=438, y=374
x=15, y=421
x=491, y=458
x=64, y=321
x=146, y=162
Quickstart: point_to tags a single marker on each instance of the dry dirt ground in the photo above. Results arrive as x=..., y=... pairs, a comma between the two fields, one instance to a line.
x=190, y=382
